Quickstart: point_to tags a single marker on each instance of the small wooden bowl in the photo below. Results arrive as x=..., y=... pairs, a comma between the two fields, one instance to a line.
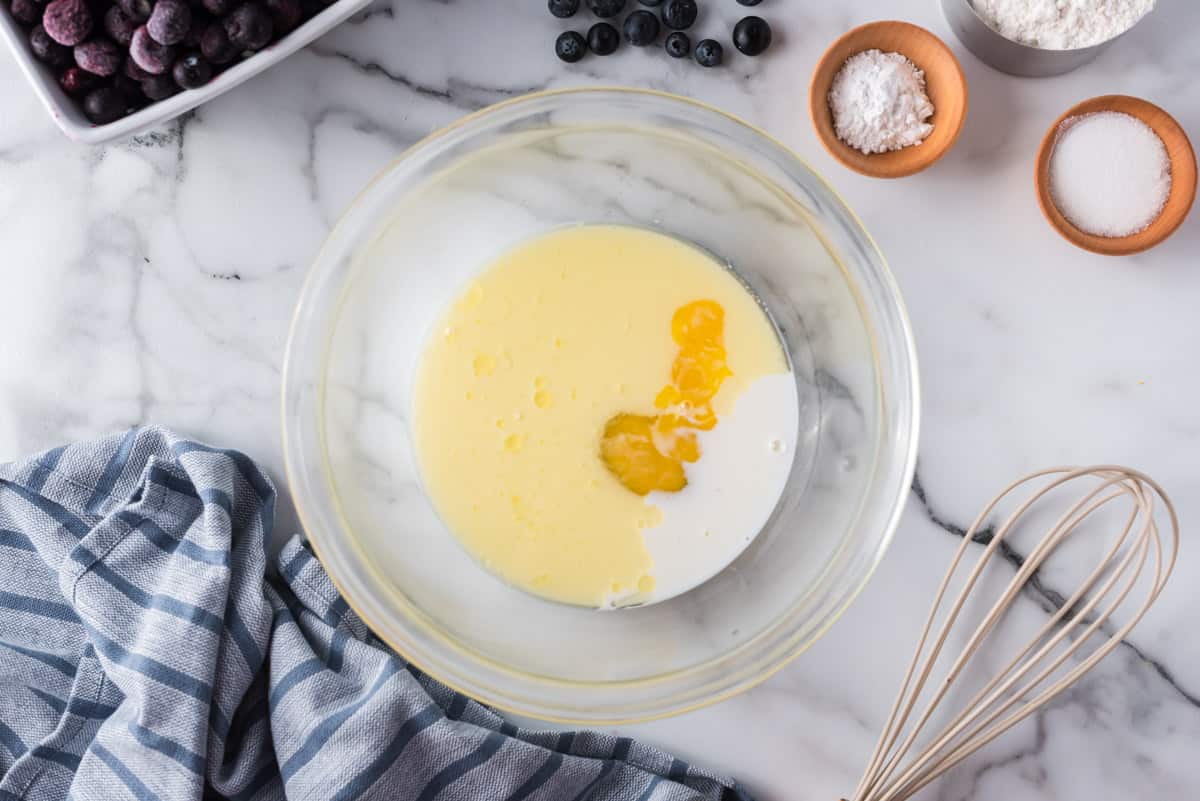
x=1183, y=177
x=944, y=83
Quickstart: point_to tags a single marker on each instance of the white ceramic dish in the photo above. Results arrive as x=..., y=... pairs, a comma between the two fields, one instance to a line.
x=69, y=117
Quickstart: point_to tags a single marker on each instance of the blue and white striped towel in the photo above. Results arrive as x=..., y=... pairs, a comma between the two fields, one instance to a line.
x=145, y=654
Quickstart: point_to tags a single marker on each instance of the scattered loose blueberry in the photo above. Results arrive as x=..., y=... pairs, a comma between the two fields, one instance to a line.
x=215, y=44
x=67, y=21
x=563, y=8
x=641, y=28
x=570, y=46
x=98, y=56
x=75, y=81
x=218, y=8
x=119, y=26
x=137, y=10
x=25, y=11
x=679, y=15
x=169, y=21
x=160, y=87
x=678, y=44
x=151, y=56
x=709, y=53
x=749, y=2
x=752, y=35
x=105, y=105
x=603, y=39
x=192, y=71
x=47, y=50
x=606, y=8
x=249, y=26
x=285, y=14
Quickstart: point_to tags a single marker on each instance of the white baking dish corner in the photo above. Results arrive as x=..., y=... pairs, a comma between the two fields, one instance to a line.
x=69, y=117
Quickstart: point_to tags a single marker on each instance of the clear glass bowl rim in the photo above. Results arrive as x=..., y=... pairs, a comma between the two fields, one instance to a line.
x=899, y=474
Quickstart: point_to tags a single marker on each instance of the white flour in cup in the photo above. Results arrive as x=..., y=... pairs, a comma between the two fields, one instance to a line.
x=1061, y=24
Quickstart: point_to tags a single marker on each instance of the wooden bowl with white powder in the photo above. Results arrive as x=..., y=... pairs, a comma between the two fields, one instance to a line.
x=891, y=132
x=1116, y=175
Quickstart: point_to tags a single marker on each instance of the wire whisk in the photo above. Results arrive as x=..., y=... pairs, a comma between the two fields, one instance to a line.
x=898, y=767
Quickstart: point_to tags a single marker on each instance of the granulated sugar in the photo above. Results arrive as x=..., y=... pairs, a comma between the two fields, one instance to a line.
x=1061, y=24
x=879, y=103
x=1109, y=173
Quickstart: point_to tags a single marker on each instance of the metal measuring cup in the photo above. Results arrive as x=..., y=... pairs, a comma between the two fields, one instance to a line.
x=1009, y=56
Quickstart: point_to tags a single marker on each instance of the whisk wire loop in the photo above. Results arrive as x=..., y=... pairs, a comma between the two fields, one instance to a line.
x=1004, y=701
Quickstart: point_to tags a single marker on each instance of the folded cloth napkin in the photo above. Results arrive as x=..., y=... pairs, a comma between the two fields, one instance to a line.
x=146, y=654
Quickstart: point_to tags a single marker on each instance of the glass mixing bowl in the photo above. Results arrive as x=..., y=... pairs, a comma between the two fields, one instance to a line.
x=440, y=214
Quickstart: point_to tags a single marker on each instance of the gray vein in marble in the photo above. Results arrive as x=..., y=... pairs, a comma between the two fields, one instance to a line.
x=1049, y=599
x=481, y=94
x=384, y=12
x=947, y=790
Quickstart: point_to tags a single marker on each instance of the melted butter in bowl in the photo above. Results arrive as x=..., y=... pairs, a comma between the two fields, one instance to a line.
x=605, y=416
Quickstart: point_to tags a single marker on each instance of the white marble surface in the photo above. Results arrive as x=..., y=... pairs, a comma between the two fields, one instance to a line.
x=153, y=281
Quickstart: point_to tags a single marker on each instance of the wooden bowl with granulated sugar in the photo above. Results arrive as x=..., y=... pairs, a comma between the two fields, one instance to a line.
x=944, y=83
x=1183, y=177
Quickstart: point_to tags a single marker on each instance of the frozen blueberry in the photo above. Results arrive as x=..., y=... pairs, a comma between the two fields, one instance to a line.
x=67, y=21
x=678, y=44
x=752, y=35
x=215, y=44
x=159, y=87
x=249, y=27
x=606, y=8
x=98, y=56
x=570, y=46
x=119, y=26
x=218, y=8
x=192, y=71
x=25, y=11
x=47, y=50
x=679, y=15
x=641, y=28
x=200, y=22
x=137, y=10
x=709, y=53
x=563, y=8
x=131, y=89
x=285, y=14
x=132, y=70
x=169, y=21
x=749, y=2
x=603, y=39
x=105, y=105
x=651, y=2
x=75, y=81
x=151, y=56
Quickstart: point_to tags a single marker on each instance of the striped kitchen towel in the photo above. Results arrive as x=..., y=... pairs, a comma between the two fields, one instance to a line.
x=147, y=653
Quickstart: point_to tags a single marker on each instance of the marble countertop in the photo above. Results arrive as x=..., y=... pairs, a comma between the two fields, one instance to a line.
x=153, y=280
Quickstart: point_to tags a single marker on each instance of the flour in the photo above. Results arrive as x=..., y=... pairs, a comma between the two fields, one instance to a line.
x=879, y=103
x=1061, y=24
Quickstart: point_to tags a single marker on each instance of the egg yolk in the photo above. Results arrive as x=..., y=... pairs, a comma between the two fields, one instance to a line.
x=647, y=452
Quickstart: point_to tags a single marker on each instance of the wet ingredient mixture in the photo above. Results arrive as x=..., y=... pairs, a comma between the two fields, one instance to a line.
x=605, y=416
